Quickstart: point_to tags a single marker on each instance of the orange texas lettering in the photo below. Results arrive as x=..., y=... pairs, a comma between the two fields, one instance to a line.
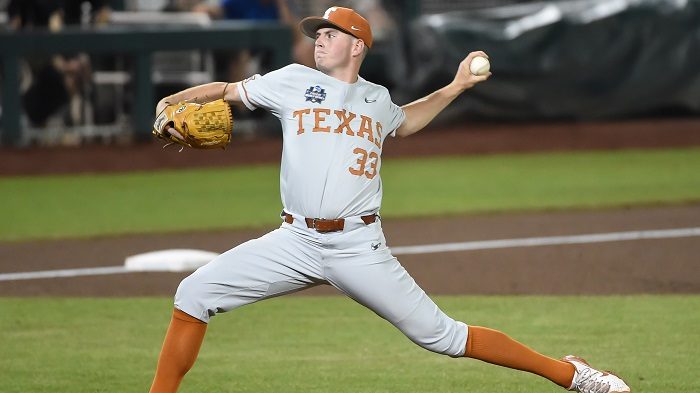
x=367, y=129
x=301, y=114
x=378, y=139
x=344, y=122
x=318, y=118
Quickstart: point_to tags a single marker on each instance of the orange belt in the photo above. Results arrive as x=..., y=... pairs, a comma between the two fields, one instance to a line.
x=323, y=225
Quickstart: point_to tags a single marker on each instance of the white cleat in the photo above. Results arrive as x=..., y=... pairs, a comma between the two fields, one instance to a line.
x=589, y=380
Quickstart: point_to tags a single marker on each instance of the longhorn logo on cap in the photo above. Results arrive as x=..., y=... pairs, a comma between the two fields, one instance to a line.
x=328, y=12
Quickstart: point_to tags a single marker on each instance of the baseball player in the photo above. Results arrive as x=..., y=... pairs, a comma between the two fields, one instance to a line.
x=335, y=125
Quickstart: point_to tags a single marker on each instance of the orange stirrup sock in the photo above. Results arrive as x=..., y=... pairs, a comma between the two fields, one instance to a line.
x=495, y=347
x=180, y=348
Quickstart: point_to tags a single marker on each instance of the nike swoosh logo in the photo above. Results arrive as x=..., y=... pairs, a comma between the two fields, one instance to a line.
x=367, y=100
x=354, y=28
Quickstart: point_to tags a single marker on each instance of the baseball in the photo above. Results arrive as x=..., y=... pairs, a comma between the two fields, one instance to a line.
x=479, y=65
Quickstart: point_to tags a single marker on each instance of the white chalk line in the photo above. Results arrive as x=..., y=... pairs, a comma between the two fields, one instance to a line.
x=548, y=241
x=91, y=271
x=422, y=249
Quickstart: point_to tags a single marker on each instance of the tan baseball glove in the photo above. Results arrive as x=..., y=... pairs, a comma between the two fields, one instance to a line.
x=200, y=126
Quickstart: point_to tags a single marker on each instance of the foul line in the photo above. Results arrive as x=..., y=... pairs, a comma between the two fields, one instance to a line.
x=548, y=241
x=424, y=249
x=91, y=271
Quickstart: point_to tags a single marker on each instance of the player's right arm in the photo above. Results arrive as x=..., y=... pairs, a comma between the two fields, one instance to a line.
x=422, y=111
x=203, y=93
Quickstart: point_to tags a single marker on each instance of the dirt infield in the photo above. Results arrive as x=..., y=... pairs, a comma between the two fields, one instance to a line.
x=622, y=267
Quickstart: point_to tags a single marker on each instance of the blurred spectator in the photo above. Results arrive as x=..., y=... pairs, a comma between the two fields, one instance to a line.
x=55, y=85
x=43, y=88
x=85, y=12
x=78, y=69
x=147, y=5
x=30, y=14
x=244, y=9
x=247, y=62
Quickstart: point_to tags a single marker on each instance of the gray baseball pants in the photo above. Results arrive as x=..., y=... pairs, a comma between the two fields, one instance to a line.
x=293, y=257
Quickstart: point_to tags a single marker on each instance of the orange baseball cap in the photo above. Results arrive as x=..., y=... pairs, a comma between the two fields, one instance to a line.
x=341, y=18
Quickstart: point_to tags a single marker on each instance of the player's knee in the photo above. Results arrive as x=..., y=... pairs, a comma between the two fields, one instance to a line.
x=445, y=336
x=191, y=296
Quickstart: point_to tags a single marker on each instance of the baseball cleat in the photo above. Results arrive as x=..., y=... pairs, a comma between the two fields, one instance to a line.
x=589, y=380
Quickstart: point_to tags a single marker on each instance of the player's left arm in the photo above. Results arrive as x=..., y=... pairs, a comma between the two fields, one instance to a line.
x=421, y=112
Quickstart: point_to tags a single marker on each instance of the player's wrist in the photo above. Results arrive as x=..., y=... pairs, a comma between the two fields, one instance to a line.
x=454, y=89
x=161, y=105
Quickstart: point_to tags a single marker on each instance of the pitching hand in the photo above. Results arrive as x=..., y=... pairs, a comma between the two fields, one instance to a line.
x=464, y=79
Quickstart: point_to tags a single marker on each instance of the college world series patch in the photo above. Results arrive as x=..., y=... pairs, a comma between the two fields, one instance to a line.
x=315, y=94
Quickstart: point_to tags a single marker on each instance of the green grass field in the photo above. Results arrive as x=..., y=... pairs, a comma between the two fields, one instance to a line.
x=331, y=344
x=90, y=205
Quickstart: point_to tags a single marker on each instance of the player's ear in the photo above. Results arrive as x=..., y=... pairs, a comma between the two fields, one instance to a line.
x=358, y=47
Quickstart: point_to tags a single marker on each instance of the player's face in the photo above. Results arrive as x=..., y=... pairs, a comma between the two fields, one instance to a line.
x=332, y=49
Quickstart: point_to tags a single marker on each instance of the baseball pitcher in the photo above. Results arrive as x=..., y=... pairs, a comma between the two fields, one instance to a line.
x=335, y=125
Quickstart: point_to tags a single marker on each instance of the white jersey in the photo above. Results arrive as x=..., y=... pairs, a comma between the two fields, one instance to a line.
x=333, y=134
